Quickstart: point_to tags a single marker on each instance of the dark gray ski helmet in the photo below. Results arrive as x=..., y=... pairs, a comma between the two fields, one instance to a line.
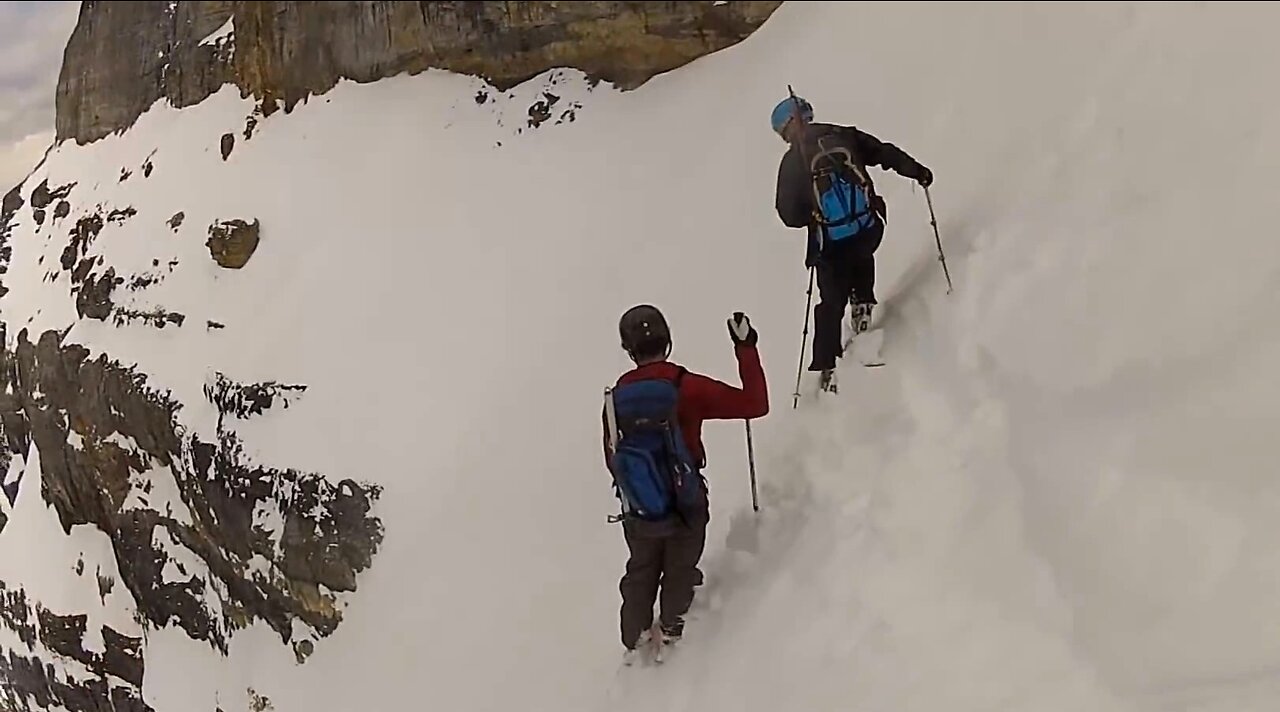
x=644, y=331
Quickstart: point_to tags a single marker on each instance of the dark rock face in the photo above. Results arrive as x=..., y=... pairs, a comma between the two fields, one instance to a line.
x=30, y=685
x=327, y=537
x=123, y=56
x=9, y=208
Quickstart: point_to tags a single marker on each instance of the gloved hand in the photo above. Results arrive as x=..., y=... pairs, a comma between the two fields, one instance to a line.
x=925, y=178
x=811, y=255
x=741, y=330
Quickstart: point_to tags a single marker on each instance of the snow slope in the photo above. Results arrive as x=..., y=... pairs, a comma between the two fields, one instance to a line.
x=1058, y=495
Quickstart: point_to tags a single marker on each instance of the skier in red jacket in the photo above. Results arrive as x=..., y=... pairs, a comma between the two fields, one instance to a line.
x=665, y=554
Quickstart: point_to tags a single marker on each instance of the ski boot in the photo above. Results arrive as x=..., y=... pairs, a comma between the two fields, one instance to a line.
x=827, y=381
x=860, y=319
x=672, y=632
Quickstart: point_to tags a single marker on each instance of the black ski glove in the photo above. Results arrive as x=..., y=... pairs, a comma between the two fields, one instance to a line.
x=811, y=252
x=924, y=177
x=741, y=330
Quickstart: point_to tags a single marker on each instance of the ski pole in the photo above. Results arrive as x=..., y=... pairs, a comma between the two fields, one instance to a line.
x=804, y=341
x=934, y=220
x=751, y=460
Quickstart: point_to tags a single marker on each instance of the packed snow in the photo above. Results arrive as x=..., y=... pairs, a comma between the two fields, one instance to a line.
x=1058, y=494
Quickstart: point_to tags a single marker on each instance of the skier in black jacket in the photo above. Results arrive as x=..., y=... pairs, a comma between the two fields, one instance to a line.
x=843, y=252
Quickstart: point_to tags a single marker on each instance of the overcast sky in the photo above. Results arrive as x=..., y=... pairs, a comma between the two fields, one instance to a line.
x=32, y=38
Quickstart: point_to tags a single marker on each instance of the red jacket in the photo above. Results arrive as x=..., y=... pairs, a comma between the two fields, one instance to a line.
x=705, y=398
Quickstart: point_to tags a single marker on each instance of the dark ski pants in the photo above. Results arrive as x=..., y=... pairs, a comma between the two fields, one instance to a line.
x=663, y=569
x=846, y=271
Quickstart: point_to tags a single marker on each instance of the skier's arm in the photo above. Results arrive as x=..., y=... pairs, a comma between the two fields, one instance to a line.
x=889, y=157
x=716, y=400
x=790, y=200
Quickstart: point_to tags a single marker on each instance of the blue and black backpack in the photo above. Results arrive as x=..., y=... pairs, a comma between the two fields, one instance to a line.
x=841, y=191
x=654, y=472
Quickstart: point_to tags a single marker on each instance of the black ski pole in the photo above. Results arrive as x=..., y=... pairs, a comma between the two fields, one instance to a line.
x=804, y=341
x=934, y=220
x=751, y=460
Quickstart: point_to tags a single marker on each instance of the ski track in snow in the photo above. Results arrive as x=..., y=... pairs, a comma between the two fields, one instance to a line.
x=1057, y=495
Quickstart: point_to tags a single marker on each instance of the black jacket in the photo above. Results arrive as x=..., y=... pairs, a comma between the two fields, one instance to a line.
x=794, y=198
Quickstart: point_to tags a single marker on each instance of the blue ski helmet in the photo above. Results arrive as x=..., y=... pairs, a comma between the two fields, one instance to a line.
x=785, y=111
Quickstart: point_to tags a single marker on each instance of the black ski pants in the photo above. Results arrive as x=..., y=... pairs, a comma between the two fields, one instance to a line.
x=662, y=569
x=846, y=271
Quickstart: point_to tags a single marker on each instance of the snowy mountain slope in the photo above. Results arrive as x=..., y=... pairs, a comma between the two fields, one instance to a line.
x=1057, y=496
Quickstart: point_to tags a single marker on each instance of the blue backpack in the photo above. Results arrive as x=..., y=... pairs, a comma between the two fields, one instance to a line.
x=654, y=473
x=840, y=192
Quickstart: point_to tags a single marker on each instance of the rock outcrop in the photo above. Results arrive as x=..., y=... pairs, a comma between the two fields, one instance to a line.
x=123, y=56
x=232, y=242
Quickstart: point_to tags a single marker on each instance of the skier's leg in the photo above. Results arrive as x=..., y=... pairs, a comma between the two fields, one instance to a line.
x=833, y=296
x=862, y=276
x=639, y=585
x=683, y=552
x=862, y=266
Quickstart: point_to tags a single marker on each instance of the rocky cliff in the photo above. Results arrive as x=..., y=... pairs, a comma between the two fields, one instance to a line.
x=123, y=56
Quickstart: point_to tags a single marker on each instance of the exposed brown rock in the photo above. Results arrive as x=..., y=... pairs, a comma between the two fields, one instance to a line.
x=93, y=300
x=9, y=208
x=124, y=56
x=15, y=614
x=106, y=585
x=92, y=290
x=328, y=534
x=157, y=317
x=84, y=233
x=30, y=685
x=232, y=242
x=41, y=197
